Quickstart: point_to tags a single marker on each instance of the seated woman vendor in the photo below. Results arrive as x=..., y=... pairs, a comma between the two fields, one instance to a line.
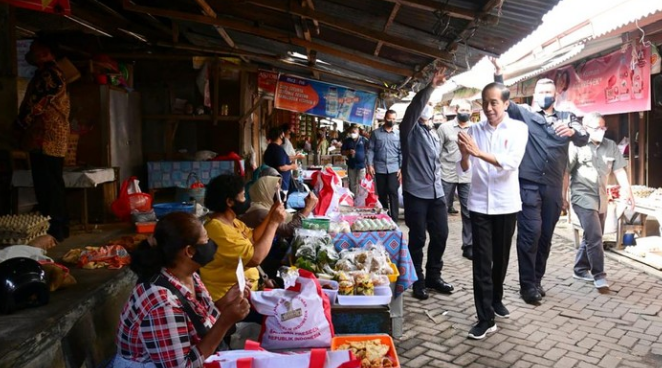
x=170, y=319
x=225, y=198
x=263, y=193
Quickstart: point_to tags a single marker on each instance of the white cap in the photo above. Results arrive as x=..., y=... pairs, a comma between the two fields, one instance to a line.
x=427, y=113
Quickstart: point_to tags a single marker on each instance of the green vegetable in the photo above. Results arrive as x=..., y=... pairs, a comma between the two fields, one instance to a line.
x=306, y=265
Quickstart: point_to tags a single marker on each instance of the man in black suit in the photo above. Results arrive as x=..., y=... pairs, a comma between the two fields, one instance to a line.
x=541, y=180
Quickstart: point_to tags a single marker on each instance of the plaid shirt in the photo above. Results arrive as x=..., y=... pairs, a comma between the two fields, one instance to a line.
x=155, y=328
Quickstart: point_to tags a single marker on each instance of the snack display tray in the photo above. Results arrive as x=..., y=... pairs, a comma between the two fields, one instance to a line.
x=382, y=296
x=383, y=338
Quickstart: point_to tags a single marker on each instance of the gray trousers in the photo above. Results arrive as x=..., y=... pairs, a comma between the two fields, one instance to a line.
x=591, y=254
x=463, y=190
x=355, y=176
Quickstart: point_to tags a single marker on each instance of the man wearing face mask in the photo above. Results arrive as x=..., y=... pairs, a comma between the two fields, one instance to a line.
x=588, y=171
x=450, y=155
x=384, y=162
x=425, y=205
x=43, y=124
x=354, y=147
x=541, y=180
x=276, y=157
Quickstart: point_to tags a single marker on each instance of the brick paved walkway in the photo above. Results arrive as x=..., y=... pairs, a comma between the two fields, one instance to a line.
x=574, y=327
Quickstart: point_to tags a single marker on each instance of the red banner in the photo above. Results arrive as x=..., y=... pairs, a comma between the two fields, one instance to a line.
x=48, y=6
x=613, y=84
x=266, y=82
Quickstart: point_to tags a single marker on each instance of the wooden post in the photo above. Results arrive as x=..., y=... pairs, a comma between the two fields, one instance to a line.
x=8, y=72
x=631, y=156
x=214, y=98
x=643, y=149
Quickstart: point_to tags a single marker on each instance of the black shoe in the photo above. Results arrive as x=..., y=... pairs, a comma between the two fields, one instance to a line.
x=481, y=329
x=468, y=253
x=500, y=310
x=452, y=210
x=541, y=291
x=440, y=285
x=420, y=293
x=531, y=296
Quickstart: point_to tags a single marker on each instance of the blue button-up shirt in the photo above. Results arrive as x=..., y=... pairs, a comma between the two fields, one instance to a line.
x=421, y=167
x=384, y=151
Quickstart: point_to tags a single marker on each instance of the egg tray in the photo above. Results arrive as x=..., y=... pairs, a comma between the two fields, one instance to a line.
x=18, y=228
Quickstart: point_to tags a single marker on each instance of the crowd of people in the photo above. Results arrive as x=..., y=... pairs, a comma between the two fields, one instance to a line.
x=511, y=170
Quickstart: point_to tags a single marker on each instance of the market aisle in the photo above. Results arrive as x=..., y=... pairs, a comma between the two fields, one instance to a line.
x=574, y=327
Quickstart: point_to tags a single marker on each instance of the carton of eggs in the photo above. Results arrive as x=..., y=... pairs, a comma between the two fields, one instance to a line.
x=20, y=229
x=373, y=225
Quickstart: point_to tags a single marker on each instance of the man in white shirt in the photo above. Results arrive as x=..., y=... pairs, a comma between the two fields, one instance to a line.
x=287, y=144
x=493, y=150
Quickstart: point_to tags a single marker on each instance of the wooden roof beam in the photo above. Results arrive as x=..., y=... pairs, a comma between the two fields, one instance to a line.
x=305, y=34
x=209, y=11
x=358, y=30
x=484, y=11
x=453, y=11
x=389, y=21
x=269, y=34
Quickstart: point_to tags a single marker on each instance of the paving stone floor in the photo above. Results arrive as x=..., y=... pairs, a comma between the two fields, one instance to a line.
x=574, y=327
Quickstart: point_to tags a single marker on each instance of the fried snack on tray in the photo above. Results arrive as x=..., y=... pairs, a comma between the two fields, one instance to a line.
x=371, y=352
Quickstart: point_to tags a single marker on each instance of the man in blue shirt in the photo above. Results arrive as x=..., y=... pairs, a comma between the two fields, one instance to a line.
x=541, y=180
x=384, y=161
x=276, y=157
x=354, y=147
x=425, y=205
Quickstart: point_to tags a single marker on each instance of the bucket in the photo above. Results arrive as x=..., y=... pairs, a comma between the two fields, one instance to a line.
x=628, y=239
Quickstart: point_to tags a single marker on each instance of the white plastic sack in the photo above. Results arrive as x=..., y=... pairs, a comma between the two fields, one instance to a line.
x=295, y=318
x=27, y=251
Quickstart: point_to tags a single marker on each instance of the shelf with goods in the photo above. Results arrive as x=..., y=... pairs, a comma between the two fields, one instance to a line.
x=647, y=247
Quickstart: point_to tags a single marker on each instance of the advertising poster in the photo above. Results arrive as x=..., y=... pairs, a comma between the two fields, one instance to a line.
x=48, y=6
x=612, y=84
x=323, y=99
x=266, y=82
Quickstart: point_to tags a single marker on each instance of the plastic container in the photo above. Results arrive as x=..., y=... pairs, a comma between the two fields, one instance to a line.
x=162, y=209
x=331, y=293
x=382, y=296
x=145, y=227
x=394, y=276
x=317, y=223
x=383, y=338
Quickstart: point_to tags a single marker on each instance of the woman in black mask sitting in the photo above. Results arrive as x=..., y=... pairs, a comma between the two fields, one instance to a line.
x=225, y=197
x=170, y=319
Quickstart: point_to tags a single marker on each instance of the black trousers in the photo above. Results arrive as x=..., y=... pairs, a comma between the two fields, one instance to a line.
x=429, y=215
x=49, y=190
x=492, y=237
x=387, y=190
x=541, y=208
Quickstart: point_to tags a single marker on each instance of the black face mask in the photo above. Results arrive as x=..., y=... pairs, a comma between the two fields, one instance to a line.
x=388, y=123
x=463, y=117
x=239, y=208
x=204, y=253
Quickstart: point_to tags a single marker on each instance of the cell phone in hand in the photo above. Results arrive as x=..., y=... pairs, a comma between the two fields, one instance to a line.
x=279, y=197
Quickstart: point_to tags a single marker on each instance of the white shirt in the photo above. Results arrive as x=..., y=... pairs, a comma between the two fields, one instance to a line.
x=287, y=146
x=495, y=190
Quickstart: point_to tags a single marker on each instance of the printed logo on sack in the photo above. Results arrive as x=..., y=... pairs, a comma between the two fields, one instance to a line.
x=291, y=313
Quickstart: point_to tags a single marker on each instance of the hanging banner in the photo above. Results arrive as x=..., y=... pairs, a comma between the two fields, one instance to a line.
x=323, y=99
x=48, y=6
x=266, y=82
x=616, y=83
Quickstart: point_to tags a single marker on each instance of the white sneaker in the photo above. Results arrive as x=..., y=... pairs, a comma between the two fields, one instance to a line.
x=601, y=284
x=584, y=276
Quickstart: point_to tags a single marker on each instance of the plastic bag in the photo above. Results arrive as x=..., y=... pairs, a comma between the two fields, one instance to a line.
x=365, y=196
x=297, y=317
x=111, y=256
x=131, y=199
x=328, y=186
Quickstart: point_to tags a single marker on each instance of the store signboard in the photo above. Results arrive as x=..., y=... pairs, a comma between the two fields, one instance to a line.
x=266, y=82
x=324, y=99
x=48, y=6
x=616, y=83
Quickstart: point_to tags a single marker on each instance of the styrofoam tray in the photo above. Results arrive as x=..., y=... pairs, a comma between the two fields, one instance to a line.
x=382, y=296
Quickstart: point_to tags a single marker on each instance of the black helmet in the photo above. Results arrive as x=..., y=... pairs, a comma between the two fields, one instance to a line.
x=22, y=284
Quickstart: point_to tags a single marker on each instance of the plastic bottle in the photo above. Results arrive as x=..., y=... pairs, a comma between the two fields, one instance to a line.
x=332, y=102
x=347, y=104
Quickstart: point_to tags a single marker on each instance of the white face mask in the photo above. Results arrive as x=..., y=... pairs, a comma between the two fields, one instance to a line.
x=597, y=135
x=354, y=135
